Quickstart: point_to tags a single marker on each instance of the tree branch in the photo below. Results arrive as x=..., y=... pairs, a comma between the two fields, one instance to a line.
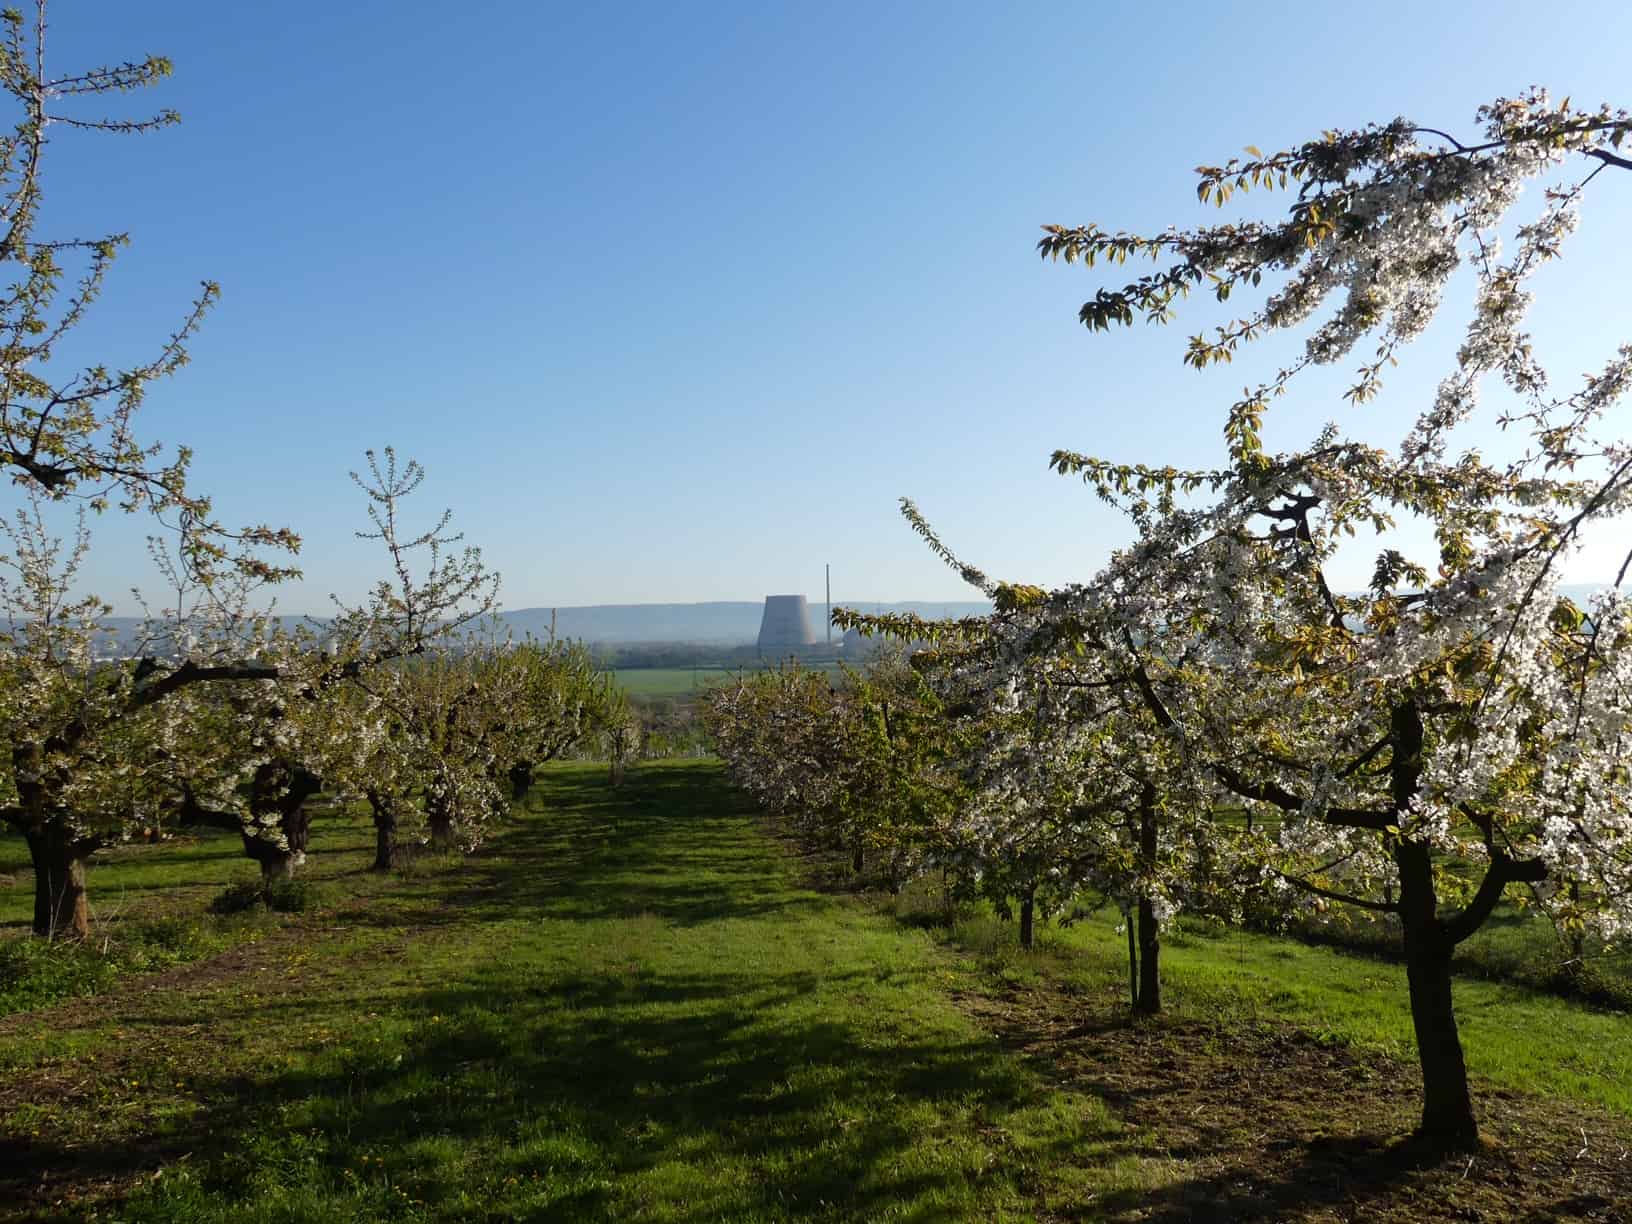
x=1503, y=871
x=1380, y=907
x=1610, y=159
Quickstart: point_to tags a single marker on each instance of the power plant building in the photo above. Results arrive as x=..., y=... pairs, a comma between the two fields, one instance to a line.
x=785, y=625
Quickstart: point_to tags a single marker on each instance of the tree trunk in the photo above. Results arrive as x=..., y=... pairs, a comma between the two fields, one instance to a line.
x=297, y=830
x=60, y=908
x=1447, y=1107
x=385, y=831
x=1148, y=999
x=521, y=780
x=281, y=791
x=858, y=854
x=276, y=862
x=1028, y=905
x=439, y=818
x=1133, y=960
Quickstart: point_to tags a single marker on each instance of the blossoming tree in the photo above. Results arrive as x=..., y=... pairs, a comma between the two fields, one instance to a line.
x=75, y=435
x=1457, y=728
x=97, y=742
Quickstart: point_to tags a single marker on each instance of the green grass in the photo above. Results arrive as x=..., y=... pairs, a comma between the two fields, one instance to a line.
x=670, y=681
x=626, y=1009
x=152, y=906
x=631, y=1006
x=1515, y=1037
x=683, y=681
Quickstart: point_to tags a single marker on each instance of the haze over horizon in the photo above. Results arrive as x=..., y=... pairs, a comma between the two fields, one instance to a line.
x=670, y=302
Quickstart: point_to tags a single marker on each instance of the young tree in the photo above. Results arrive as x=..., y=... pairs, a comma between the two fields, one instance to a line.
x=563, y=698
x=311, y=728
x=1073, y=785
x=1456, y=711
x=96, y=740
x=776, y=730
x=83, y=726
x=901, y=795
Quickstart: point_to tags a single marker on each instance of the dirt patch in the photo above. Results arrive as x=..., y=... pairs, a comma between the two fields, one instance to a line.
x=1266, y=1122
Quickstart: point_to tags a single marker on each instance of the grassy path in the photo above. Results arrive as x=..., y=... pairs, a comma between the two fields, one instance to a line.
x=630, y=1007
x=626, y=1010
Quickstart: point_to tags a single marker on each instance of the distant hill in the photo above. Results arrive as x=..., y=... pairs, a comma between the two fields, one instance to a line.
x=726, y=622
x=731, y=622
x=737, y=622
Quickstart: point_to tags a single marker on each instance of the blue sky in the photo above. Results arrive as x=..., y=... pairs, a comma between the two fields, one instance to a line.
x=675, y=301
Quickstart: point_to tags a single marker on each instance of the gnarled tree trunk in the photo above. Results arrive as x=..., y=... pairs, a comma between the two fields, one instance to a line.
x=385, y=831
x=60, y=907
x=280, y=791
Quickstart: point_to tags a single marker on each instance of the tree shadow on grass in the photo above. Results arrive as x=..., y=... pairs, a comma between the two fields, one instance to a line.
x=1266, y=1122
x=589, y=855
x=713, y=1092
x=1369, y=1178
x=602, y=1069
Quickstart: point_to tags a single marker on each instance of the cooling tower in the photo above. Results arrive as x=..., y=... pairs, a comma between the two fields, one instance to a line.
x=785, y=625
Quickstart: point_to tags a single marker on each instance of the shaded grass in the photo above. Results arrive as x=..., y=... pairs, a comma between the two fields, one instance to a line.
x=626, y=1009
x=630, y=1006
x=1515, y=1037
x=158, y=905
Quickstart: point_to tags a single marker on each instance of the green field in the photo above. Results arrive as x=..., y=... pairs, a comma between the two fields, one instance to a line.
x=670, y=681
x=635, y=1005
x=680, y=681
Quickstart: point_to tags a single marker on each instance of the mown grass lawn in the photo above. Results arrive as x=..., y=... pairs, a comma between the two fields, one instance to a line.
x=626, y=1009
x=151, y=906
x=632, y=1005
x=1515, y=1037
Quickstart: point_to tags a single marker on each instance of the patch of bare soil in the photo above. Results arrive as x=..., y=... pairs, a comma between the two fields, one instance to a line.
x=1268, y=1123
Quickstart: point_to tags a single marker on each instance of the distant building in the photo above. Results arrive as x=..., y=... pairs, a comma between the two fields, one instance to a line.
x=785, y=626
